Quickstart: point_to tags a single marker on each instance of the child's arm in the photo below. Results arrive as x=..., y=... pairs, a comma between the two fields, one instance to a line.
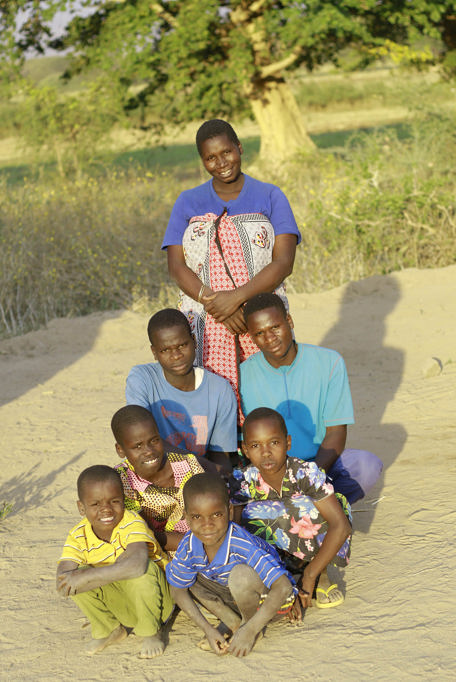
x=332, y=446
x=243, y=639
x=169, y=539
x=131, y=564
x=184, y=600
x=338, y=530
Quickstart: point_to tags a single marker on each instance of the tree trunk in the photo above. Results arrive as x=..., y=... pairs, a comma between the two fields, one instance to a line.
x=282, y=128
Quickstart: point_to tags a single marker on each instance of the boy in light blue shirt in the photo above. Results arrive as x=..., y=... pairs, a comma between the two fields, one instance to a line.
x=194, y=409
x=308, y=386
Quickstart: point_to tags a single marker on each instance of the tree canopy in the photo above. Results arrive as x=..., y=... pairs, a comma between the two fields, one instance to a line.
x=196, y=59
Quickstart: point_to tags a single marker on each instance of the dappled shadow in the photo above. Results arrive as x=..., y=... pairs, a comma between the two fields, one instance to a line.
x=32, y=490
x=375, y=371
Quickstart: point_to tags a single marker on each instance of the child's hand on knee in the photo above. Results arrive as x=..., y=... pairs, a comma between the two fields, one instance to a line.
x=68, y=582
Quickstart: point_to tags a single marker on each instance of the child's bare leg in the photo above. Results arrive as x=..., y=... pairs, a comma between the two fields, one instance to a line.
x=214, y=604
x=246, y=588
x=98, y=645
x=105, y=626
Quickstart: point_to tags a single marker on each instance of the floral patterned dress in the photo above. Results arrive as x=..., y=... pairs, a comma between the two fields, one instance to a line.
x=288, y=519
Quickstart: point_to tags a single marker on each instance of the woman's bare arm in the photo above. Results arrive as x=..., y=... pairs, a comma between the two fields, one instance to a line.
x=222, y=304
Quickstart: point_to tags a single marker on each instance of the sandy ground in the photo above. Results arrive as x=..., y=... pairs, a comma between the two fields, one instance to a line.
x=59, y=388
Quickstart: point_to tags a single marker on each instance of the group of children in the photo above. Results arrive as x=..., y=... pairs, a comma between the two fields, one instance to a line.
x=168, y=526
x=179, y=520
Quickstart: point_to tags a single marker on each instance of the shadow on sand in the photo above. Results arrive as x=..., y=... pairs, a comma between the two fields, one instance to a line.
x=366, y=306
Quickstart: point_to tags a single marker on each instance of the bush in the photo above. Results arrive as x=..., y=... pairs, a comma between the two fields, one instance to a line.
x=73, y=247
x=382, y=206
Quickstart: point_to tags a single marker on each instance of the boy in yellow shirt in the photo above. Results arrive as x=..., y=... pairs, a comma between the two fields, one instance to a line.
x=113, y=567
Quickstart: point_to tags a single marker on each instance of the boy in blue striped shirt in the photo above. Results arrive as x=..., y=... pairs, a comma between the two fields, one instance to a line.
x=235, y=575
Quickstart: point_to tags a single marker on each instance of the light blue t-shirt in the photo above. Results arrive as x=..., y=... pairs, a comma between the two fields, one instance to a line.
x=310, y=394
x=198, y=421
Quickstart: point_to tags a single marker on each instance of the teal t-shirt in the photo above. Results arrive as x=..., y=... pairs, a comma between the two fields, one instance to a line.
x=310, y=394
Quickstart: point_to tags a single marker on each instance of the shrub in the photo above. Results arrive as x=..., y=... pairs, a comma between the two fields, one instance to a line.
x=384, y=205
x=73, y=247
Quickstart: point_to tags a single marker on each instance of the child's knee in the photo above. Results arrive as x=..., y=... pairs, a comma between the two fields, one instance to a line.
x=148, y=583
x=243, y=577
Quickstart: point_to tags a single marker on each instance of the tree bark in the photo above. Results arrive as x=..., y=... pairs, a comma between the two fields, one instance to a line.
x=282, y=128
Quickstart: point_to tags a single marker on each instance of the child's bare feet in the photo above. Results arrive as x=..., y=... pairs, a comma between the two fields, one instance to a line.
x=328, y=595
x=98, y=645
x=152, y=646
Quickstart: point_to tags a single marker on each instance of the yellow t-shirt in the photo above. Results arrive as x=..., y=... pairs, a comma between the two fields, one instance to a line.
x=83, y=547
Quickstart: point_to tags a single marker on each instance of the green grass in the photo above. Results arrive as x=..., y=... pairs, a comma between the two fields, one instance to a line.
x=46, y=69
x=5, y=509
x=370, y=89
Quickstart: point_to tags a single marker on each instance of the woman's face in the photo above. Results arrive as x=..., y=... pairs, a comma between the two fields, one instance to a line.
x=222, y=159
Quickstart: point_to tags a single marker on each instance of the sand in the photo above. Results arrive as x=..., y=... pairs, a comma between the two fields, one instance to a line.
x=59, y=388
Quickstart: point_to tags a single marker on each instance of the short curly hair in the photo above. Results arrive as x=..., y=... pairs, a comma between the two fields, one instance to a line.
x=214, y=128
x=98, y=473
x=128, y=415
x=166, y=318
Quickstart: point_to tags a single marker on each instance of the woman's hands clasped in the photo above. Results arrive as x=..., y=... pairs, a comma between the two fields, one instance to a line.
x=225, y=307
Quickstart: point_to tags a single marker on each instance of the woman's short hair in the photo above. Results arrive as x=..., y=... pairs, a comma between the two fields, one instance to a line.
x=214, y=128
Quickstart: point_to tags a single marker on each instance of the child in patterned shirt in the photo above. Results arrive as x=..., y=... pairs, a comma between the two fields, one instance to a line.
x=152, y=476
x=288, y=502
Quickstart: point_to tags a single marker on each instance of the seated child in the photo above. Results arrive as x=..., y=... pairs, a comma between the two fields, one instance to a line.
x=113, y=568
x=152, y=478
x=236, y=576
x=289, y=503
x=194, y=409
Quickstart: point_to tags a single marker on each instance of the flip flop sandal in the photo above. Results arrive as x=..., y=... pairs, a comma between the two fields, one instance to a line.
x=329, y=604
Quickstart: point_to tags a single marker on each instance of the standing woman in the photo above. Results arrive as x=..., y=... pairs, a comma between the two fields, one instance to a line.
x=227, y=240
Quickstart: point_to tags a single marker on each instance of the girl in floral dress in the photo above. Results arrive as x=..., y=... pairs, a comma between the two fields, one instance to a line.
x=288, y=502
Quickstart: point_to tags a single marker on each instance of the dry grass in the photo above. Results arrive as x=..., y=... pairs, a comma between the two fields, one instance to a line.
x=70, y=247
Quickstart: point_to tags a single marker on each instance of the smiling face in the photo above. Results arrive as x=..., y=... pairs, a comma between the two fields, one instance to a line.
x=266, y=445
x=102, y=502
x=143, y=447
x=221, y=158
x=208, y=516
x=174, y=349
x=271, y=331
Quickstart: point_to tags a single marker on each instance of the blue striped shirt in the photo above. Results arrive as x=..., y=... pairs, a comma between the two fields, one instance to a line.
x=239, y=547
